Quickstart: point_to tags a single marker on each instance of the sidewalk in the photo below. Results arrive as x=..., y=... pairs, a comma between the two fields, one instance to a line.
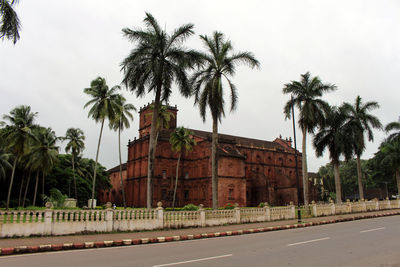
x=34, y=244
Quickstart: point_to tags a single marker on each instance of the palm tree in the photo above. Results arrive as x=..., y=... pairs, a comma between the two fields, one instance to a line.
x=4, y=162
x=393, y=126
x=158, y=60
x=103, y=105
x=18, y=134
x=391, y=157
x=76, y=145
x=359, y=122
x=180, y=139
x=220, y=65
x=43, y=155
x=9, y=23
x=306, y=95
x=164, y=117
x=334, y=136
x=121, y=121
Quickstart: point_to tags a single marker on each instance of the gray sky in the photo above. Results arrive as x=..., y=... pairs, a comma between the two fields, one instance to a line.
x=67, y=43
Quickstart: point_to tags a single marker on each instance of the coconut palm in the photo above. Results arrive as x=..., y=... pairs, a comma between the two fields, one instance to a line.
x=76, y=145
x=391, y=157
x=333, y=135
x=306, y=95
x=180, y=139
x=17, y=135
x=43, y=155
x=164, y=117
x=360, y=121
x=9, y=21
x=103, y=106
x=393, y=126
x=121, y=121
x=220, y=66
x=4, y=162
x=158, y=60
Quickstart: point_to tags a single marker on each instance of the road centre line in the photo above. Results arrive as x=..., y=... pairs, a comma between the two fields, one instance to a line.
x=308, y=241
x=370, y=230
x=195, y=260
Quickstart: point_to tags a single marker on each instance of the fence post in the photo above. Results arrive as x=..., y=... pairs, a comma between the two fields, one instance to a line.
x=48, y=215
x=109, y=219
x=388, y=203
x=314, y=209
x=267, y=212
x=160, y=215
x=237, y=213
x=364, y=205
x=202, y=215
x=333, y=208
x=292, y=210
x=349, y=207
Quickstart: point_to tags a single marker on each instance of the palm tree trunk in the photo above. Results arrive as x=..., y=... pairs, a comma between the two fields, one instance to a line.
x=11, y=183
x=214, y=163
x=95, y=165
x=20, y=191
x=120, y=167
x=176, y=180
x=304, y=167
x=152, y=148
x=26, y=189
x=36, y=187
x=337, y=181
x=398, y=180
x=359, y=175
x=73, y=175
x=43, y=188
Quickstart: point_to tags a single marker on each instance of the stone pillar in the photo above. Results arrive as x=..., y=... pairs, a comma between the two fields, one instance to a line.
x=364, y=205
x=376, y=204
x=292, y=210
x=109, y=219
x=202, y=215
x=267, y=212
x=237, y=213
x=388, y=203
x=314, y=209
x=349, y=207
x=160, y=215
x=333, y=208
x=48, y=226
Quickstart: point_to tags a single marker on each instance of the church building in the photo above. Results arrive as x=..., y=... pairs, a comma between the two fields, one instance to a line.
x=250, y=171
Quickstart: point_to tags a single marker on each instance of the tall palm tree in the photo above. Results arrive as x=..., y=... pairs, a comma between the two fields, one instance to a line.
x=180, y=139
x=103, y=105
x=9, y=21
x=164, y=117
x=18, y=134
x=219, y=66
x=393, y=126
x=121, y=121
x=391, y=157
x=360, y=121
x=4, y=162
x=158, y=60
x=333, y=135
x=306, y=95
x=43, y=155
x=76, y=145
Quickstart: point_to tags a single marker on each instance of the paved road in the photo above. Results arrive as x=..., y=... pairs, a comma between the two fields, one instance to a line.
x=372, y=242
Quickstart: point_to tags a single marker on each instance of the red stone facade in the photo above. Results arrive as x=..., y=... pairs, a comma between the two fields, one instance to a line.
x=250, y=171
x=114, y=195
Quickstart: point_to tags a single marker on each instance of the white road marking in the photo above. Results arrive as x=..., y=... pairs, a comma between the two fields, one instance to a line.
x=308, y=241
x=195, y=260
x=370, y=230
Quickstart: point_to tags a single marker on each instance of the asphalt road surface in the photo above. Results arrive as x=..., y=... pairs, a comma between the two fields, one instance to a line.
x=371, y=242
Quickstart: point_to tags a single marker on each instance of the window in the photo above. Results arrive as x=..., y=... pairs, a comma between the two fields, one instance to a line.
x=163, y=193
x=164, y=174
x=186, y=175
x=230, y=196
x=186, y=194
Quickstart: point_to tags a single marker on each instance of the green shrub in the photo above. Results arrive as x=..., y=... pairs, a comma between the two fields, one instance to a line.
x=261, y=205
x=229, y=206
x=190, y=207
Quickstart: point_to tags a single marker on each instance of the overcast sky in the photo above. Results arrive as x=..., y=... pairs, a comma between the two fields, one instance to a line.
x=67, y=43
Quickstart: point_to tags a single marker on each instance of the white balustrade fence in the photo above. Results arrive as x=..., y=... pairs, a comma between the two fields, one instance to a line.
x=353, y=207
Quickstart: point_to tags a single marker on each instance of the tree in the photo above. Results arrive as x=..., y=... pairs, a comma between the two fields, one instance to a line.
x=18, y=134
x=158, y=60
x=9, y=21
x=4, y=162
x=391, y=157
x=393, y=126
x=76, y=145
x=219, y=65
x=121, y=121
x=104, y=105
x=333, y=136
x=306, y=95
x=164, y=117
x=360, y=121
x=43, y=155
x=180, y=139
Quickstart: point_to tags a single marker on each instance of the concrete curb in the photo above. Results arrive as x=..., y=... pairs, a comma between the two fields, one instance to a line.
x=130, y=242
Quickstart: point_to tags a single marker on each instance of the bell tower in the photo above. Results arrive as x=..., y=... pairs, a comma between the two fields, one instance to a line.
x=146, y=116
